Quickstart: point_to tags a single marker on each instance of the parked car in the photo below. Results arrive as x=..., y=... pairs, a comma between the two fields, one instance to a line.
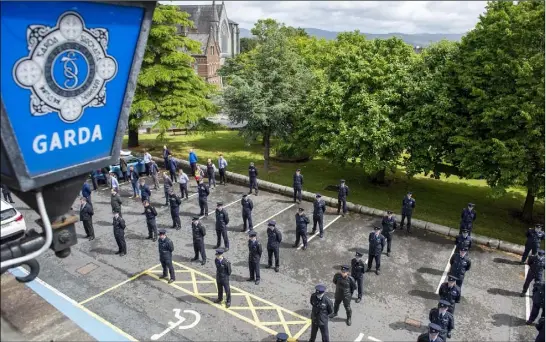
x=12, y=223
x=134, y=161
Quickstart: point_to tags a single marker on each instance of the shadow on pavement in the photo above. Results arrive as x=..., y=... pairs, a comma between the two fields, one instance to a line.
x=503, y=292
x=404, y=326
x=103, y=251
x=507, y=320
x=103, y=223
x=424, y=294
x=429, y=270
x=506, y=261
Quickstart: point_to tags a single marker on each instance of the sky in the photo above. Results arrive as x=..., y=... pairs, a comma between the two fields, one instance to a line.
x=366, y=16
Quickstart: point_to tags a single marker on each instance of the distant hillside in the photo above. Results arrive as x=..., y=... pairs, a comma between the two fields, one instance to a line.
x=419, y=39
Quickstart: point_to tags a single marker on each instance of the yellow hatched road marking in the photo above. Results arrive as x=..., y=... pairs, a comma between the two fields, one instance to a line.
x=252, y=309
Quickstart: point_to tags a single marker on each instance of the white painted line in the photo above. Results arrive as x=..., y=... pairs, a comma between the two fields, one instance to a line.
x=269, y=218
x=225, y=206
x=359, y=338
x=318, y=232
x=527, y=297
x=448, y=266
x=373, y=339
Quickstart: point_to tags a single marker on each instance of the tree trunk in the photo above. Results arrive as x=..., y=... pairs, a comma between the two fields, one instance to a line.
x=379, y=177
x=133, y=137
x=263, y=140
x=527, y=214
x=267, y=147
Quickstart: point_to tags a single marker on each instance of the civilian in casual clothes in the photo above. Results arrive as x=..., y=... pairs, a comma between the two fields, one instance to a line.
x=222, y=165
x=183, y=180
x=133, y=176
x=147, y=162
x=166, y=154
x=154, y=171
x=172, y=168
x=114, y=181
x=211, y=169
x=193, y=161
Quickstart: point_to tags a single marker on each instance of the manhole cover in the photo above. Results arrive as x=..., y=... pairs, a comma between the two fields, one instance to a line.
x=87, y=268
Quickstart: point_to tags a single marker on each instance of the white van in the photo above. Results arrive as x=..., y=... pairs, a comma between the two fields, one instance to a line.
x=12, y=223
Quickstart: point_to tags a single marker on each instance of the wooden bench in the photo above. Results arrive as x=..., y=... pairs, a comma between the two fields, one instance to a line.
x=177, y=130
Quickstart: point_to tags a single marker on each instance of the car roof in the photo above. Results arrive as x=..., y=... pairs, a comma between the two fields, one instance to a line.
x=5, y=205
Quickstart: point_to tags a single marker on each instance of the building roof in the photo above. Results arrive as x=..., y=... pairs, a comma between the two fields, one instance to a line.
x=202, y=38
x=202, y=15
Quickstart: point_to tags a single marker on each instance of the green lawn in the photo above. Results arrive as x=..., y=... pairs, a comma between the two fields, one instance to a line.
x=438, y=201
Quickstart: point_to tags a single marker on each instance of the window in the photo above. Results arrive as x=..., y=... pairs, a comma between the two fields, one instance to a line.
x=212, y=50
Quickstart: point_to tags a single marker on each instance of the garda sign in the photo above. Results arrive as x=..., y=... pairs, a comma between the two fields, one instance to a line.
x=69, y=72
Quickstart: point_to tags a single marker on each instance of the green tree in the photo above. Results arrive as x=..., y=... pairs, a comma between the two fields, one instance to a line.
x=247, y=44
x=168, y=88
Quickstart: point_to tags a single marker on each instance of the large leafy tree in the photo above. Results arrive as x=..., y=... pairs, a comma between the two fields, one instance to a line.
x=247, y=44
x=501, y=80
x=169, y=91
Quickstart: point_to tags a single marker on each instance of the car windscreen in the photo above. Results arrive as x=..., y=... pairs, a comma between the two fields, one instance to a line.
x=7, y=214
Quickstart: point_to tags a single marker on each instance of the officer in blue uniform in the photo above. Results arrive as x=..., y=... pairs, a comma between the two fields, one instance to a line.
x=247, y=205
x=463, y=240
x=282, y=337
x=536, y=270
x=253, y=178
x=198, y=232
x=297, y=184
x=534, y=236
x=150, y=213
x=377, y=244
x=222, y=220
x=538, y=302
x=342, y=193
x=174, y=204
x=408, y=204
x=443, y=318
x=345, y=286
x=223, y=271
x=119, y=234
x=540, y=328
x=357, y=272
x=145, y=192
x=254, y=256
x=432, y=335
x=274, y=238
x=322, y=309
x=319, y=207
x=460, y=264
x=166, y=248
x=203, y=193
x=301, y=229
x=449, y=291
x=86, y=192
x=389, y=226
x=468, y=216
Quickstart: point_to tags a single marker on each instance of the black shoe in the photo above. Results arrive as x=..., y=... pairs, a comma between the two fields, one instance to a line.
x=87, y=236
x=257, y=282
x=118, y=252
x=228, y=304
x=203, y=262
x=349, y=321
x=149, y=238
x=243, y=230
x=333, y=315
x=12, y=202
x=321, y=236
x=91, y=238
x=250, y=192
x=313, y=232
x=522, y=262
x=194, y=259
x=294, y=246
x=226, y=249
x=268, y=266
x=251, y=279
x=388, y=253
x=377, y=272
x=163, y=277
x=217, y=301
x=276, y=269
x=358, y=300
x=369, y=269
x=529, y=323
x=123, y=254
x=154, y=240
x=522, y=294
x=170, y=281
x=304, y=248
x=178, y=228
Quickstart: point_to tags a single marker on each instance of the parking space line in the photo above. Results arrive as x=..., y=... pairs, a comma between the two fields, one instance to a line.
x=318, y=233
x=373, y=339
x=448, y=266
x=269, y=218
x=527, y=297
x=253, y=303
x=225, y=206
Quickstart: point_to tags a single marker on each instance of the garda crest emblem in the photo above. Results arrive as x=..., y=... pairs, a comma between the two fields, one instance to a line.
x=67, y=67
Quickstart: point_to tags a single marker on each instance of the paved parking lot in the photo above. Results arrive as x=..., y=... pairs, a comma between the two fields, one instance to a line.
x=126, y=291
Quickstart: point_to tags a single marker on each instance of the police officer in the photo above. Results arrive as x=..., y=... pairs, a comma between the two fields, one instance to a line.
x=247, y=206
x=145, y=191
x=345, y=286
x=301, y=229
x=408, y=204
x=536, y=270
x=377, y=244
x=254, y=256
x=274, y=238
x=534, y=236
x=432, y=335
x=389, y=226
x=460, y=264
x=119, y=234
x=222, y=220
x=174, y=203
x=223, y=271
x=443, y=318
x=538, y=301
x=203, y=191
x=198, y=232
x=319, y=207
x=540, y=328
x=115, y=202
x=297, y=185
x=468, y=216
x=463, y=240
x=166, y=248
x=357, y=272
x=151, y=214
x=167, y=186
x=342, y=193
x=322, y=309
x=282, y=337
x=253, y=178
x=450, y=292
x=86, y=216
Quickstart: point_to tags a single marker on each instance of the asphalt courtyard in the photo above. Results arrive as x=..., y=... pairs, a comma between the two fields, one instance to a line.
x=126, y=292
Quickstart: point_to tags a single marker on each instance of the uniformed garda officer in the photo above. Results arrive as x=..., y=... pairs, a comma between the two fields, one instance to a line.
x=443, y=318
x=319, y=207
x=274, y=238
x=536, y=270
x=151, y=214
x=254, y=256
x=203, y=192
x=301, y=229
x=389, y=226
x=408, y=204
x=540, y=328
x=222, y=220
x=377, y=244
x=534, y=236
x=432, y=335
x=223, y=271
x=247, y=206
x=297, y=185
x=460, y=264
x=282, y=337
x=463, y=240
x=119, y=233
x=322, y=309
x=115, y=202
x=357, y=272
x=174, y=204
x=198, y=232
x=342, y=193
x=345, y=286
x=166, y=248
x=538, y=301
x=468, y=216
x=450, y=292
x=145, y=192
x=253, y=178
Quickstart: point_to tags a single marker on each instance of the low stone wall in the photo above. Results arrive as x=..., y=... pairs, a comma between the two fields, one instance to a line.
x=357, y=208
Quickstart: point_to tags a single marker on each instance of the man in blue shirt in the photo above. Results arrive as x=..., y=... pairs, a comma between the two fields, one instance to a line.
x=222, y=165
x=193, y=161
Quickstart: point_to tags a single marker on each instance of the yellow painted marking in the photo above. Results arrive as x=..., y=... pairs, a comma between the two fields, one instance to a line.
x=255, y=308
x=299, y=333
x=151, y=269
x=252, y=309
x=281, y=323
x=161, y=271
x=281, y=316
x=191, y=282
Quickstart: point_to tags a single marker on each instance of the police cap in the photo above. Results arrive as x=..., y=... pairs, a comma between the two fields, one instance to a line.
x=219, y=251
x=342, y=180
x=538, y=225
x=317, y=195
x=162, y=232
x=358, y=253
x=252, y=233
x=470, y=204
x=219, y=203
x=389, y=212
x=444, y=304
x=452, y=278
x=376, y=228
x=464, y=249
x=282, y=337
x=410, y=193
x=298, y=169
x=320, y=288
x=244, y=195
x=195, y=218
x=271, y=223
x=540, y=252
x=301, y=209
x=434, y=328
x=345, y=267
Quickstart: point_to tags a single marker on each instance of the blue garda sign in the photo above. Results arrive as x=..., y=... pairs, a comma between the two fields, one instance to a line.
x=68, y=76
